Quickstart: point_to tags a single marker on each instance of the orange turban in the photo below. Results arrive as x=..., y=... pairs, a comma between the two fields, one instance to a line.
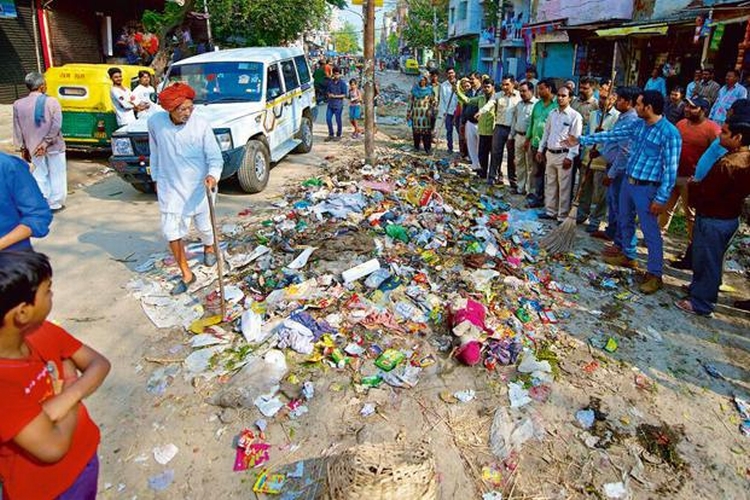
x=174, y=95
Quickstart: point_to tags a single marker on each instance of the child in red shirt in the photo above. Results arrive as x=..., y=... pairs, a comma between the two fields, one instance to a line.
x=48, y=442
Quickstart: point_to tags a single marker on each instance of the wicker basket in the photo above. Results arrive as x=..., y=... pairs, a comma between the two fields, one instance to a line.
x=386, y=471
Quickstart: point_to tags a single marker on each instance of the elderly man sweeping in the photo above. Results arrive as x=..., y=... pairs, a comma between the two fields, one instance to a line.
x=185, y=158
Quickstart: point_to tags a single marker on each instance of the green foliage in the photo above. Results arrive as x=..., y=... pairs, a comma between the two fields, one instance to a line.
x=159, y=22
x=420, y=32
x=346, y=40
x=254, y=23
x=392, y=44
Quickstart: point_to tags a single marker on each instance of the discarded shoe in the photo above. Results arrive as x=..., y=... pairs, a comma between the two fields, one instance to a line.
x=651, y=284
x=182, y=286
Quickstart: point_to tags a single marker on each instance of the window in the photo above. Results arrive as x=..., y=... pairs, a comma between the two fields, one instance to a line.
x=462, y=8
x=303, y=69
x=221, y=81
x=72, y=91
x=274, y=83
x=290, y=75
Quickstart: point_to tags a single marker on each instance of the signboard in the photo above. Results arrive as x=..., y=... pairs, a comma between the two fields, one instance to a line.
x=378, y=3
x=718, y=35
x=8, y=9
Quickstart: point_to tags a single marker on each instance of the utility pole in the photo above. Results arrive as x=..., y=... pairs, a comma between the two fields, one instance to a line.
x=369, y=81
x=496, y=50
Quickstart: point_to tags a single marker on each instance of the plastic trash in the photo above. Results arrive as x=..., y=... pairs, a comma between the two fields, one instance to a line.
x=585, y=418
x=492, y=495
x=397, y=232
x=465, y=396
x=712, y=370
x=295, y=335
x=508, y=434
x=367, y=409
x=161, y=482
x=165, y=454
x=161, y=378
x=199, y=362
x=529, y=364
x=360, y=271
x=616, y=491
x=406, y=376
x=269, y=404
x=251, y=324
x=518, y=395
x=258, y=376
x=301, y=260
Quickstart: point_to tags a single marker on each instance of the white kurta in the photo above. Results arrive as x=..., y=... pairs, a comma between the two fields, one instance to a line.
x=181, y=158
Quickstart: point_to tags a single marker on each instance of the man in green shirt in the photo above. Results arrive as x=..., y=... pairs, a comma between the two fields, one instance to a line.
x=539, y=114
x=486, y=124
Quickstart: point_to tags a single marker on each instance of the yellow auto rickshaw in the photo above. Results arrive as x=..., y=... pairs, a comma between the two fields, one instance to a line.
x=84, y=94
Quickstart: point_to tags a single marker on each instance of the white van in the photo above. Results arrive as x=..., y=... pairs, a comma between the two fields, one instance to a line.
x=259, y=101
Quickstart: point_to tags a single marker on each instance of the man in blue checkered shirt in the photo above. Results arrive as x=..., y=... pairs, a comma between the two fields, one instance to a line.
x=655, y=146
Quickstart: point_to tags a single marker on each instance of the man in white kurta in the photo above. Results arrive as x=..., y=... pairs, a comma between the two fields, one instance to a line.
x=185, y=158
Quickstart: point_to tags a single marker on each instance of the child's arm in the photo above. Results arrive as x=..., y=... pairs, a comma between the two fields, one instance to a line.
x=46, y=440
x=94, y=368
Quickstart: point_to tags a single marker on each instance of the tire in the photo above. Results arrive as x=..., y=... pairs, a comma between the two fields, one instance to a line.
x=305, y=134
x=142, y=187
x=256, y=167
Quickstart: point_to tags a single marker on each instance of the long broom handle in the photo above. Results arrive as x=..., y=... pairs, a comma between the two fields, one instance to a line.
x=583, y=182
x=217, y=251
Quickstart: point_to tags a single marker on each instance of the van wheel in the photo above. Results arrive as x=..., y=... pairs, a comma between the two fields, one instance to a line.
x=144, y=187
x=305, y=134
x=256, y=165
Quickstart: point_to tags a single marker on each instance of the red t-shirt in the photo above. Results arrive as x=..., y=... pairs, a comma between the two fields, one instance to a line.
x=695, y=141
x=24, y=385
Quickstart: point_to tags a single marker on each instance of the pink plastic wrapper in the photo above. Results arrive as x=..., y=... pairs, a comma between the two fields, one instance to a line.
x=474, y=313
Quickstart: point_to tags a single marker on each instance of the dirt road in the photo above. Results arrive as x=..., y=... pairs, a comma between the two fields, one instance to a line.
x=108, y=229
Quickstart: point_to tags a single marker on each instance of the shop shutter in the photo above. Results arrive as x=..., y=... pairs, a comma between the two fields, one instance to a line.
x=19, y=54
x=74, y=30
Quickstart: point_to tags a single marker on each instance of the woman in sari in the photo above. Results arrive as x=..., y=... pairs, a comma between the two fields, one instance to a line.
x=422, y=105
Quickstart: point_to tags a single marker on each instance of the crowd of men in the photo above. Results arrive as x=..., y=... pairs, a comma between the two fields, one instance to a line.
x=627, y=155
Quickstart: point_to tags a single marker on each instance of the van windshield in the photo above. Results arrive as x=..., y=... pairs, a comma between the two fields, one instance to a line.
x=221, y=81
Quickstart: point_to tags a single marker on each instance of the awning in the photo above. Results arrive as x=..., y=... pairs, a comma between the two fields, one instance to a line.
x=538, y=29
x=649, y=29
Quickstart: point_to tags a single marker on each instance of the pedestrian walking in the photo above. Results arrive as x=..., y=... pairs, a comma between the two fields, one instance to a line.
x=37, y=132
x=420, y=113
x=355, y=107
x=185, y=158
x=518, y=127
x=651, y=171
x=502, y=104
x=485, y=123
x=336, y=92
x=23, y=210
x=539, y=114
x=447, y=102
x=562, y=123
x=718, y=200
x=49, y=440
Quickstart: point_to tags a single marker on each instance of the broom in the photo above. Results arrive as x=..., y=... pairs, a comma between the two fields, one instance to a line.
x=562, y=238
x=217, y=251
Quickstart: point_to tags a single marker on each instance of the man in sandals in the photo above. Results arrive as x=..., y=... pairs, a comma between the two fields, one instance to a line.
x=185, y=158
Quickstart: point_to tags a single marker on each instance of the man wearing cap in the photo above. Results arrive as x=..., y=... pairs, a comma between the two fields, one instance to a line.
x=185, y=158
x=697, y=132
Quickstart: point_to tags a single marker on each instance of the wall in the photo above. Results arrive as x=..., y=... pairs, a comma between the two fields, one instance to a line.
x=472, y=25
x=582, y=11
x=558, y=62
x=644, y=10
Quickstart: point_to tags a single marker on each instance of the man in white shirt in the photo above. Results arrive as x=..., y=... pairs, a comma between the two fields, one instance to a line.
x=448, y=102
x=518, y=126
x=185, y=158
x=123, y=99
x=144, y=94
x=561, y=123
x=503, y=103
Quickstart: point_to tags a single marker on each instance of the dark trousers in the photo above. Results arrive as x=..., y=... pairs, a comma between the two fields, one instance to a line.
x=485, y=148
x=576, y=173
x=499, y=142
x=449, y=131
x=425, y=138
x=330, y=113
x=711, y=239
x=537, y=178
x=463, y=149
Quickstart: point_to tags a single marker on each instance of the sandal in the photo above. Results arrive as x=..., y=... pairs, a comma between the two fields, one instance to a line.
x=182, y=286
x=209, y=259
x=687, y=306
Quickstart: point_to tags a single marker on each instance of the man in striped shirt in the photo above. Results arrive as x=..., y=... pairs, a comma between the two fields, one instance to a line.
x=651, y=172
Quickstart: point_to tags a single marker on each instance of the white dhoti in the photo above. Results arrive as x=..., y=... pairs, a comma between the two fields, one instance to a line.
x=177, y=226
x=50, y=172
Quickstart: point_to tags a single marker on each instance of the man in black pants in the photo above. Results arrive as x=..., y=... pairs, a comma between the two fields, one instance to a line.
x=503, y=104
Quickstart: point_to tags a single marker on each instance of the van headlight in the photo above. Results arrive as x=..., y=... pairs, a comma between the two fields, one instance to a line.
x=224, y=138
x=121, y=146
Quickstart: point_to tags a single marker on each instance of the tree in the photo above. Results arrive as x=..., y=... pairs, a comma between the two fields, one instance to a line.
x=346, y=40
x=420, y=32
x=392, y=44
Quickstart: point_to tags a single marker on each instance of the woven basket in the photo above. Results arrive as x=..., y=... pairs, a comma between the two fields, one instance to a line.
x=386, y=471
